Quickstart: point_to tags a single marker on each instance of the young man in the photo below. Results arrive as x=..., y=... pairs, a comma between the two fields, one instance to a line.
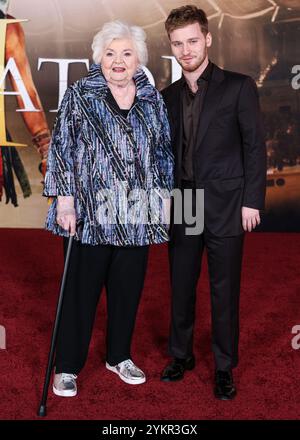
x=218, y=144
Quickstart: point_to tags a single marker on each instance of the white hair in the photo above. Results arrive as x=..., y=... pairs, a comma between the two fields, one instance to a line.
x=117, y=30
x=4, y=6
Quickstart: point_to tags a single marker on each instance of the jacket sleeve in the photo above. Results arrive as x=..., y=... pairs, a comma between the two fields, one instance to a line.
x=163, y=151
x=59, y=178
x=254, y=148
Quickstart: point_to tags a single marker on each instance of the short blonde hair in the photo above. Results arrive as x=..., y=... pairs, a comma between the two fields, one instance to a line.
x=184, y=15
x=118, y=29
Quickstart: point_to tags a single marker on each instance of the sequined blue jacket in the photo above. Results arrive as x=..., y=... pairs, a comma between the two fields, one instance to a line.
x=111, y=164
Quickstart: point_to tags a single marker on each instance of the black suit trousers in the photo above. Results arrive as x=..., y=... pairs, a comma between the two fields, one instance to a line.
x=224, y=255
x=121, y=270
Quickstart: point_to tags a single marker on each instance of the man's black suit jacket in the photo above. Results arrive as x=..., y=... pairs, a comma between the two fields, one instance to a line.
x=230, y=154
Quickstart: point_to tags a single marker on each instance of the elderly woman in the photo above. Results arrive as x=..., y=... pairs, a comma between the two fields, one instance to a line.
x=109, y=170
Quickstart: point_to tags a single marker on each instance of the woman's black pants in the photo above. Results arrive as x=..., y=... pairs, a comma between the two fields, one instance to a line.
x=122, y=271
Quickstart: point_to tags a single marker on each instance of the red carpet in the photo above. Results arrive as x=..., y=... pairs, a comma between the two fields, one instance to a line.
x=268, y=376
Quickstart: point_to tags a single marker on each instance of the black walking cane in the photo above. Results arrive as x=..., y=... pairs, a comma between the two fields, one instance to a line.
x=42, y=411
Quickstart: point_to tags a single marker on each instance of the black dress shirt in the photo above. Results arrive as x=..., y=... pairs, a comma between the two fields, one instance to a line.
x=192, y=104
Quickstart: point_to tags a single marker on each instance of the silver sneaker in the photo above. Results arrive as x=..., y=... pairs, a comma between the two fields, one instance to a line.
x=64, y=385
x=128, y=372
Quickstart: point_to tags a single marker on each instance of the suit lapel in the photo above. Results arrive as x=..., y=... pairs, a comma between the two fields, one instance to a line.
x=212, y=99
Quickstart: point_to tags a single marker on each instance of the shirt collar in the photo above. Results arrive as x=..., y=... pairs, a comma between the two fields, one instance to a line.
x=96, y=84
x=206, y=74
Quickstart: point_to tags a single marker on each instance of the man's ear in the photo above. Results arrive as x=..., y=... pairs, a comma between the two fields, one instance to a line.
x=208, y=39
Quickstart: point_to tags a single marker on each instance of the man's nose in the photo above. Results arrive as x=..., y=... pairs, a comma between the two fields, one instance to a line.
x=185, y=49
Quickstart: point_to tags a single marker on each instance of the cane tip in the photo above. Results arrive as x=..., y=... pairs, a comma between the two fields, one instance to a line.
x=42, y=412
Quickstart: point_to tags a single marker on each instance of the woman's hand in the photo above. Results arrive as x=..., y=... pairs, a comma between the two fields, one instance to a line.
x=66, y=217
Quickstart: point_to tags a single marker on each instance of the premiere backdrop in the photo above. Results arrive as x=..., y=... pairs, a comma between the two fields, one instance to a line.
x=256, y=37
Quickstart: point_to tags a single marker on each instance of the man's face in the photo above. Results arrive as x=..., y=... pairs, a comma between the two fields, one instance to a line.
x=189, y=46
x=4, y=6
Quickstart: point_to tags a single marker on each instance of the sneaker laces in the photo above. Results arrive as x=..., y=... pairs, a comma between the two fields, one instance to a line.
x=68, y=377
x=129, y=365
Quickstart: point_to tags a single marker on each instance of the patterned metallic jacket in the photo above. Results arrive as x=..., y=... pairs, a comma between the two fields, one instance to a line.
x=118, y=169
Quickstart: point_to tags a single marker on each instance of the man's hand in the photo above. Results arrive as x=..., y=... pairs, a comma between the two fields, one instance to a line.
x=250, y=218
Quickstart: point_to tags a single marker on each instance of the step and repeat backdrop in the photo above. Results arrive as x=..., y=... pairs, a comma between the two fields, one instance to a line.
x=45, y=45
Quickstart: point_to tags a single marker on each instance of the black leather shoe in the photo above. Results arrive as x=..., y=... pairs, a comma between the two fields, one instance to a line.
x=175, y=370
x=224, y=386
